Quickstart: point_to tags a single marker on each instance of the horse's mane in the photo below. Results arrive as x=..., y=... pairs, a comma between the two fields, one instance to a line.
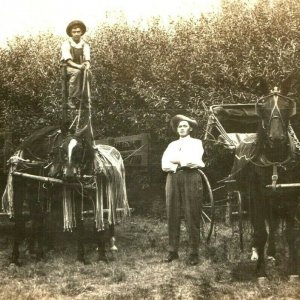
x=37, y=135
x=259, y=141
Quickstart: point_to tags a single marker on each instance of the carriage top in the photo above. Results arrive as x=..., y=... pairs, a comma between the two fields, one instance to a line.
x=229, y=124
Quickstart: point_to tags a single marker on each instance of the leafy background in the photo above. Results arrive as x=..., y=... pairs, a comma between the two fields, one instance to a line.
x=141, y=77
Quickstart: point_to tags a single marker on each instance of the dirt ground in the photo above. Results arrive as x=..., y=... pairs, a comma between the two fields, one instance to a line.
x=136, y=271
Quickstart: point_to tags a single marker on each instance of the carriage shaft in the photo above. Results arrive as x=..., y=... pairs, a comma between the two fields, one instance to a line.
x=284, y=185
x=49, y=180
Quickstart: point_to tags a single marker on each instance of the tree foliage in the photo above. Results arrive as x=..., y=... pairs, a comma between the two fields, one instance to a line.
x=143, y=76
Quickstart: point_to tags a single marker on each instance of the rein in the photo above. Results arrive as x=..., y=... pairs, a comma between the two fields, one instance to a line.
x=266, y=163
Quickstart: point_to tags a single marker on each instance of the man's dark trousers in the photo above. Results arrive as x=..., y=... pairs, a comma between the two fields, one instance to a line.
x=184, y=190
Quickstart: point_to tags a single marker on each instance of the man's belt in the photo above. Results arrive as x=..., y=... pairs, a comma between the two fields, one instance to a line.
x=185, y=168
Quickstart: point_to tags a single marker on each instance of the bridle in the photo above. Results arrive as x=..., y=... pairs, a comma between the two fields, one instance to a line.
x=275, y=114
x=66, y=153
x=275, y=111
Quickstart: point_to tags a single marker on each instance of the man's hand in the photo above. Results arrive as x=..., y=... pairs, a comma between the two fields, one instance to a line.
x=175, y=161
x=86, y=65
x=191, y=165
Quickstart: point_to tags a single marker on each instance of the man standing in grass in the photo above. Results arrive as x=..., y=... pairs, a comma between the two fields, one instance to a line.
x=184, y=190
x=75, y=56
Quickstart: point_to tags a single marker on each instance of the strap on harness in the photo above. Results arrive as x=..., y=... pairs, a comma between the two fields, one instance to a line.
x=274, y=178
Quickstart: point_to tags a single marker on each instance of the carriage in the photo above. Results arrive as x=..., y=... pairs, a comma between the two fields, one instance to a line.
x=227, y=126
x=253, y=157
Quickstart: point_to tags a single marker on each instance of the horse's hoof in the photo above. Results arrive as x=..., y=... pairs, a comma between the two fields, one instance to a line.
x=83, y=261
x=14, y=264
x=262, y=280
x=293, y=278
x=271, y=258
x=254, y=256
x=103, y=258
x=50, y=252
x=114, y=249
x=30, y=253
x=50, y=249
x=39, y=258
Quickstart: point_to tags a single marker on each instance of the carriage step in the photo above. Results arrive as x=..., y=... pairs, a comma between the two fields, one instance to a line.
x=105, y=210
x=236, y=213
x=218, y=188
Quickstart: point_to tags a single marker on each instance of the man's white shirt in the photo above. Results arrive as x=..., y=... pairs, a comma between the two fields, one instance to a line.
x=186, y=151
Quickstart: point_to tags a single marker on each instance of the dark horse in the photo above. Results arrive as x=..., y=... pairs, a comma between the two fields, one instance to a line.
x=264, y=163
x=58, y=168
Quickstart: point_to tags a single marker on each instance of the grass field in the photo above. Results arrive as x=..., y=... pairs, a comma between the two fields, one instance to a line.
x=137, y=270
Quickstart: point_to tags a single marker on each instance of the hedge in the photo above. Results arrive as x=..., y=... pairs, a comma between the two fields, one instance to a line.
x=143, y=76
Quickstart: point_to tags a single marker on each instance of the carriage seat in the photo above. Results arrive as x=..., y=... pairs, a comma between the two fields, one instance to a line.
x=236, y=139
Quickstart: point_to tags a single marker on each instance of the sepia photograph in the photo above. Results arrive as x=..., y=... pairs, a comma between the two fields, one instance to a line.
x=149, y=149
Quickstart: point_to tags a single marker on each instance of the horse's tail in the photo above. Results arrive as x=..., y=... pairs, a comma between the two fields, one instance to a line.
x=111, y=165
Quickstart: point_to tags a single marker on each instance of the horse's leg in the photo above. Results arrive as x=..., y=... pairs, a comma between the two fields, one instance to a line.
x=80, y=232
x=19, y=226
x=260, y=238
x=291, y=239
x=37, y=217
x=53, y=215
x=260, y=232
x=273, y=222
x=113, y=246
x=19, y=231
x=39, y=231
x=31, y=240
x=48, y=232
x=80, y=241
x=100, y=237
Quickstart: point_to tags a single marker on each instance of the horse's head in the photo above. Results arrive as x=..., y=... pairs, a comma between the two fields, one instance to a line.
x=275, y=112
x=75, y=154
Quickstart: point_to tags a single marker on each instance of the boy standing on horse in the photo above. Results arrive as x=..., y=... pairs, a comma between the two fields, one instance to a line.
x=184, y=190
x=75, y=56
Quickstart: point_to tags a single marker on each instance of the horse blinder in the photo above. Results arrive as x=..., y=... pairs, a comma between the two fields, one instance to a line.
x=293, y=110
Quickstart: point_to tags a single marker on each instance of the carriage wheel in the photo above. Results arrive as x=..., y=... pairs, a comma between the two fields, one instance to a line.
x=208, y=210
x=240, y=219
x=237, y=213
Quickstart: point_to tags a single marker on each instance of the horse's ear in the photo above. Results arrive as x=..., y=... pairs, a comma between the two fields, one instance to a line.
x=262, y=86
x=64, y=127
x=286, y=84
x=293, y=108
x=82, y=132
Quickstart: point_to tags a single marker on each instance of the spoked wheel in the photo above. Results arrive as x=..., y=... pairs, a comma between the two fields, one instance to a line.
x=237, y=214
x=208, y=210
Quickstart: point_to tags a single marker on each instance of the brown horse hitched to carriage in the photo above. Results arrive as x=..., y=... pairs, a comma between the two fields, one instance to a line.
x=254, y=157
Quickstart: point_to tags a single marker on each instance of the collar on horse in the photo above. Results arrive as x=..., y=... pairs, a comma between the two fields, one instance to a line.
x=294, y=155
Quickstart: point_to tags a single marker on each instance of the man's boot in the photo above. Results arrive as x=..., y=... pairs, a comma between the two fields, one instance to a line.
x=172, y=255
